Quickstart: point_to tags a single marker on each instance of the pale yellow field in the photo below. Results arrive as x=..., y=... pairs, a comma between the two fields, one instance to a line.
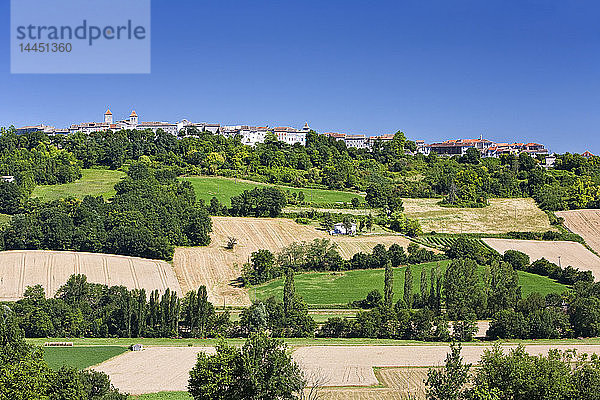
x=51, y=269
x=585, y=223
x=349, y=368
x=558, y=252
x=501, y=216
x=217, y=268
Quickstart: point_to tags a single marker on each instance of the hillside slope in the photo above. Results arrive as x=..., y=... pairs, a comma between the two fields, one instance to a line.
x=218, y=268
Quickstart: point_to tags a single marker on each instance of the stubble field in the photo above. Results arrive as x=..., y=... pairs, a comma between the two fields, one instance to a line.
x=559, y=252
x=585, y=223
x=158, y=369
x=501, y=216
x=51, y=269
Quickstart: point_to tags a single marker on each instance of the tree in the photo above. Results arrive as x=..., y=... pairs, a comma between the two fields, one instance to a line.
x=408, y=284
x=518, y=260
x=289, y=292
x=260, y=269
x=462, y=289
x=449, y=383
x=388, y=286
x=261, y=370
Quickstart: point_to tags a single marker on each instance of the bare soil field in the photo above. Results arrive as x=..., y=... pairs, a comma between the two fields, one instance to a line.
x=51, y=269
x=570, y=253
x=585, y=223
x=166, y=368
x=218, y=268
x=501, y=216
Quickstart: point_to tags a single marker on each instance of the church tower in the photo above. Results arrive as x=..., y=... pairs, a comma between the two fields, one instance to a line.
x=108, y=118
x=133, y=118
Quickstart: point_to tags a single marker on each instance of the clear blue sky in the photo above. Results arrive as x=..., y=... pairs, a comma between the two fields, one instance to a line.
x=512, y=70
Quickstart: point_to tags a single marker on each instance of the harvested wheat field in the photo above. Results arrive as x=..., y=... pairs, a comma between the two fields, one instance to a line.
x=395, y=384
x=166, y=368
x=501, y=216
x=51, y=269
x=218, y=268
x=585, y=223
x=570, y=253
x=154, y=369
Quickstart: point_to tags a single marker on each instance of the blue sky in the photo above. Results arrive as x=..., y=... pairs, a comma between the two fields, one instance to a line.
x=510, y=70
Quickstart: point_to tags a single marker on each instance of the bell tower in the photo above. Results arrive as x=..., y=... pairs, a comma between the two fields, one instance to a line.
x=108, y=118
x=133, y=118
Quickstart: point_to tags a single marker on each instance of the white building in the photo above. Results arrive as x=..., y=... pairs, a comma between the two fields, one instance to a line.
x=131, y=123
x=340, y=229
x=357, y=141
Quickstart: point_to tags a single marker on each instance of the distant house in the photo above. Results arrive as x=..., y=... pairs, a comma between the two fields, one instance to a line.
x=340, y=229
x=7, y=178
x=137, y=347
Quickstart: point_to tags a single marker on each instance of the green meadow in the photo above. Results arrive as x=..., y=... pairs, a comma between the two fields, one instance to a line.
x=223, y=189
x=93, y=182
x=325, y=289
x=80, y=357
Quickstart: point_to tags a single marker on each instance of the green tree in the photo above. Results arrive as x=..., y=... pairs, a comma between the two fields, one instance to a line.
x=388, y=286
x=408, y=284
x=261, y=370
x=449, y=383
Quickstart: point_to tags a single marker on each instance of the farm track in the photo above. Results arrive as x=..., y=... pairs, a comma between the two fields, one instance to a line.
x=51, y=269
x=218, y=268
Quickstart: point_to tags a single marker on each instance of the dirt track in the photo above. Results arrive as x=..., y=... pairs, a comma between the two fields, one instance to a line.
x=51, y=269
x=166, y=368
x=217, y=268
x=570, y=253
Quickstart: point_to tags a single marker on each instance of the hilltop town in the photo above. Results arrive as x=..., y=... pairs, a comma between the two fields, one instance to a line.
x=251, y=135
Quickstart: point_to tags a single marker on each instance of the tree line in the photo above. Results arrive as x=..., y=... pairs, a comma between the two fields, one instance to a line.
x=151, y=213
x=387, y=172
x=323, y=255
x=25, y=375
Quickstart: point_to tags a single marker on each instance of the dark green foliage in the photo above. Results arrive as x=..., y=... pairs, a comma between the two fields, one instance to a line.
x=449, y=383
x=388, y=286
x=25, y=375
x=258, y=202
x=146, y=218
x=518, y=260
x=517, y=376
x=261, y=369
x=260, y=269
x=464, y=295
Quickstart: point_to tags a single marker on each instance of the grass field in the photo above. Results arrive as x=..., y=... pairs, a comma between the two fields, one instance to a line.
x=80, y=357
x=4, y=219
x=501, y=216
x=338, y=288
x=224, y=188
x=93, y=182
